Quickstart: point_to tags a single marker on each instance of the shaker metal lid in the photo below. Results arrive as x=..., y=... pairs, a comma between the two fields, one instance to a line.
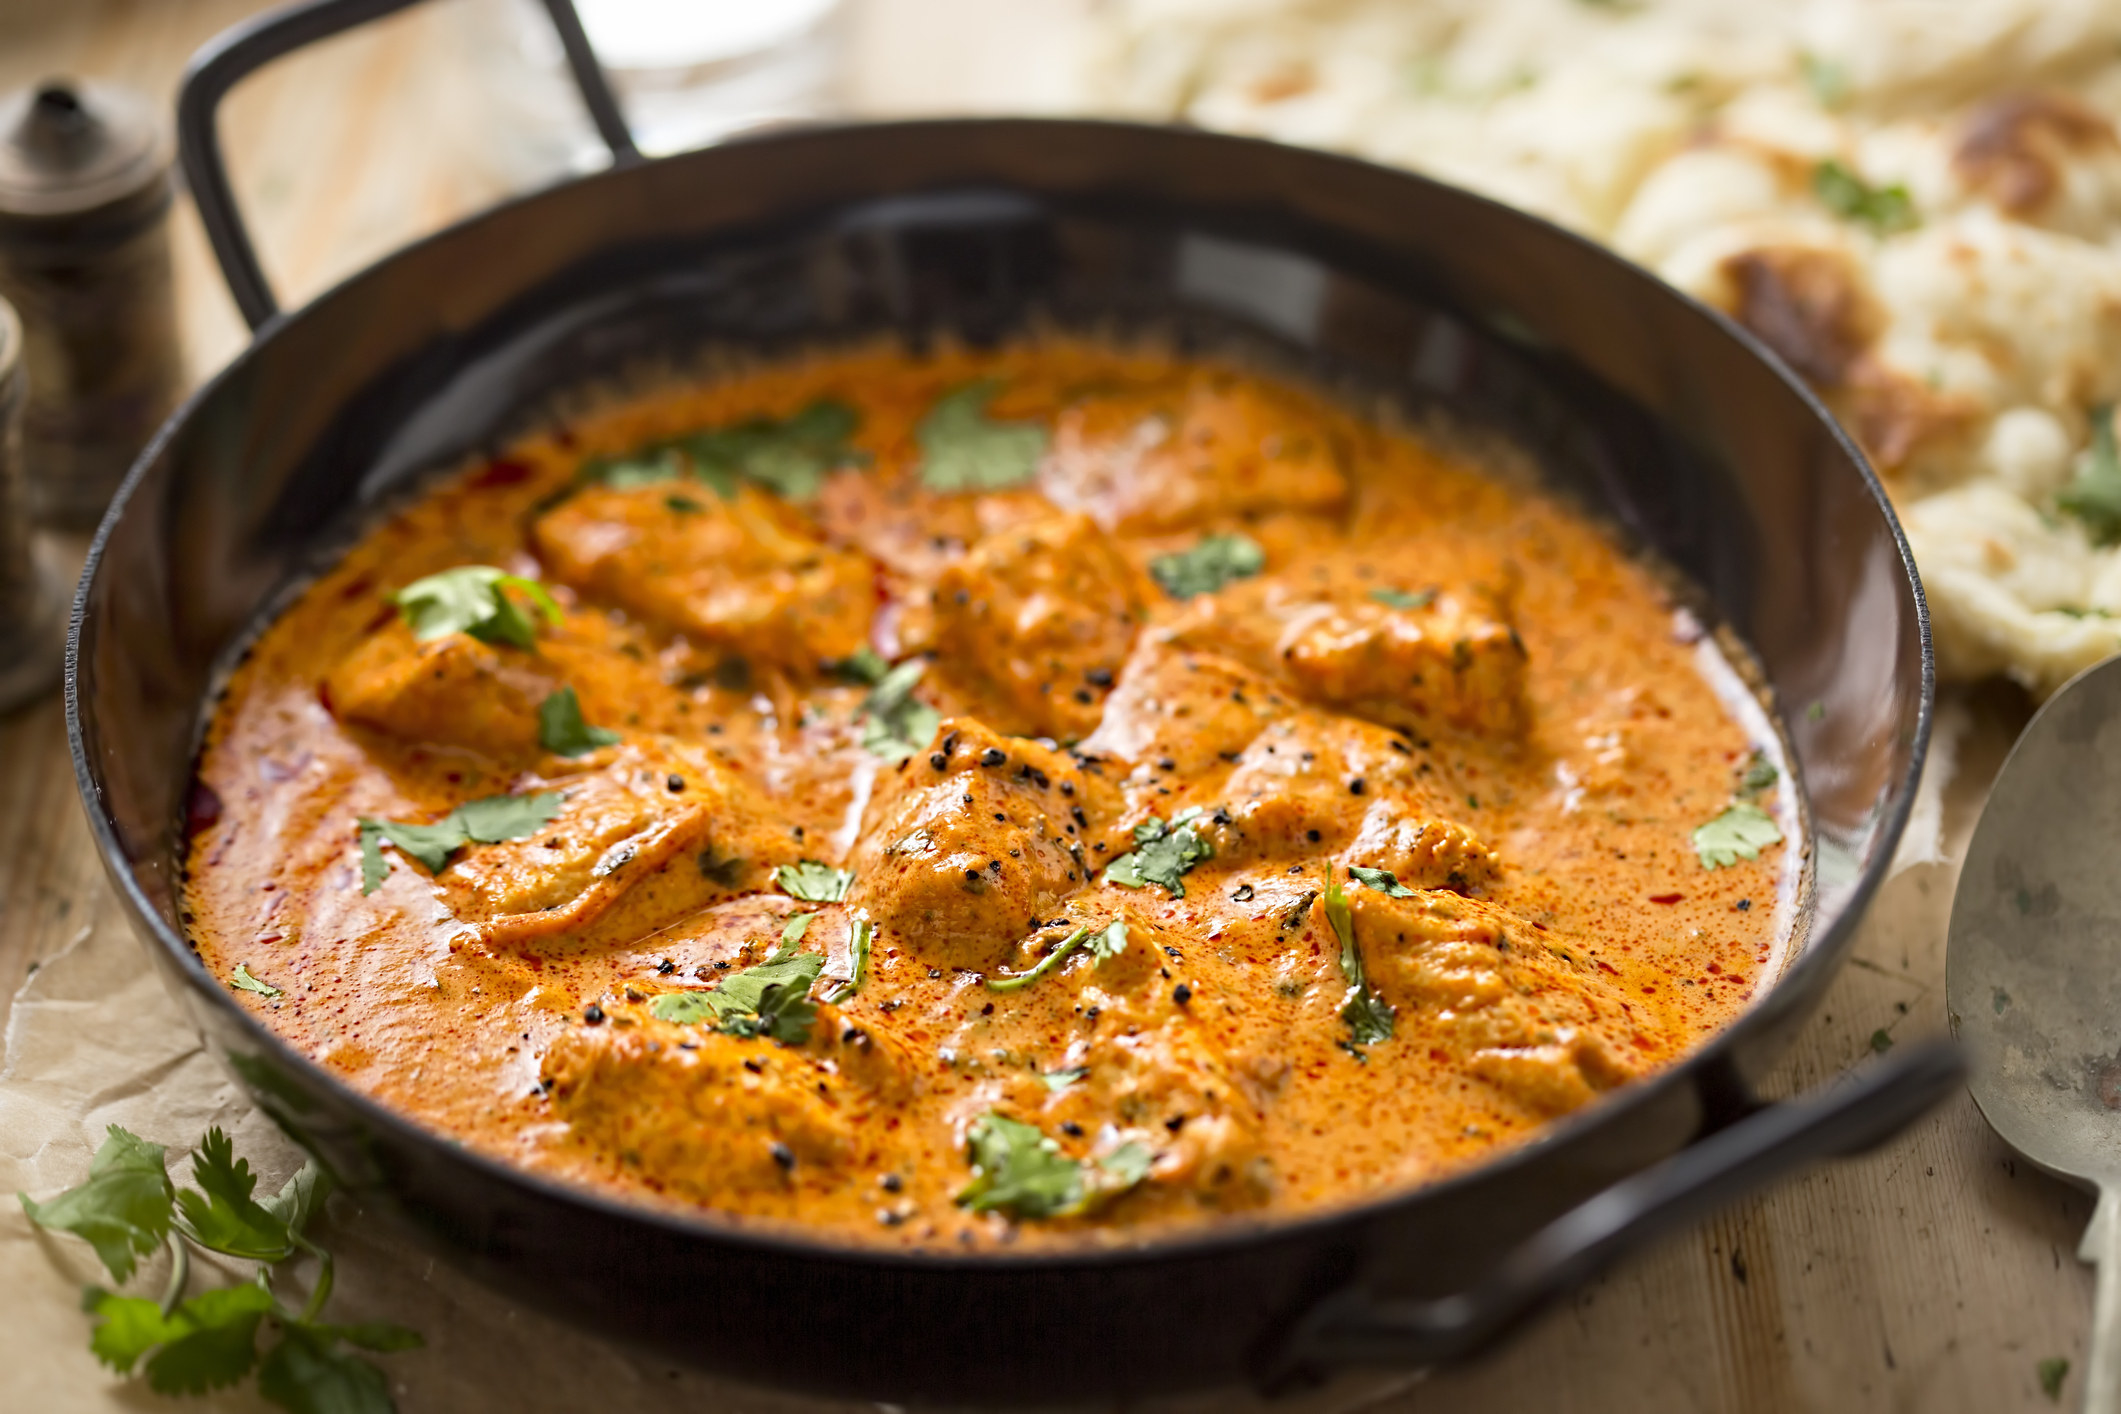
x=68, y=149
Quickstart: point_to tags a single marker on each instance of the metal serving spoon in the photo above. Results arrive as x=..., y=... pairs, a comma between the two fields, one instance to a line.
x=2033, y=973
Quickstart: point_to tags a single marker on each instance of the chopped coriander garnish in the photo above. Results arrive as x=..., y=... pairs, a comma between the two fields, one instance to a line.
x=771, y=999
x=488, y=821
x=1740, y=832
x=471, y=599
x=1760, y=774
x=1162, y=854
x=791, y=456
x=1828, y=81
x=2052, y=1372
x=1017, y=1168
x=2093, y=495
x=1404, y=599
x=684, y=505
x=864, y=665
x=1382, y=880
x=895, y=723
x=814, y=882
x=1369, y=1019
x=859, y=933
x=1884, y=209
x=562, y=731
x=1062, y=1079
x=963, y=449
x=192, y=1345
x=1881, y=1040
x=1216, y=561
x=248, y=983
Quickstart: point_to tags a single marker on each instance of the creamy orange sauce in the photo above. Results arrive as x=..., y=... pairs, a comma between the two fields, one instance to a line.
x=1432, y=671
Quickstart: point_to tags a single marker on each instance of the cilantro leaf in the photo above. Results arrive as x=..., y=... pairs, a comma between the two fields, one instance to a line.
x=242, y=978
x=814, y=882
x=300, y=1198
x=1125, y=1166
x=384, y=1337
x=771, y=999
x=895, y=722
x=1404, y=599
x=1017, y=1168
x=305, y=1375
x=865, y=665
x=1162, y=854
x=1208, y=566
x=1369, y=1018
x=859, y=934
x=2052, y=1372
x=1828, y=81
x=1382, y=880
x=222, y=1216
x=210, y=1341
x=122, y=1210
x=1760, y=774
x=470, y=599
x=486, y=821
x=791, y=456
x=658, y=461
x=962, y=449
x=127, y=1327
x=562, y=731
x=1884, y=209
x=1108, y=942
x=2093, y=495
x=1740, y=832
x=1062, y=1079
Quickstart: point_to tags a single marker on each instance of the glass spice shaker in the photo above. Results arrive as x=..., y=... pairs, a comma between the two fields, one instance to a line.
x=32, y=607
x=85, y=194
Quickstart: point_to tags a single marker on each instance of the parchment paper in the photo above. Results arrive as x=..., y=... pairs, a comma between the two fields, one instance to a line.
x=94, y=1040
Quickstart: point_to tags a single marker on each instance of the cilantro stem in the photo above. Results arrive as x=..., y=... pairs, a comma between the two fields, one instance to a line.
x=1045, y=964
x=321, y=1292
x=179, y=1272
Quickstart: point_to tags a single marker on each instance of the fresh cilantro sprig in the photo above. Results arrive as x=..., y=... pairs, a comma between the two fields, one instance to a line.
x=963, y=449
x=189, y=1345
x=1404, y=598
x=1885, y=210
x=860, y=932
x=1162, y=854
x=814, y=882
x=895, y=723
x=1017, y=1169
x=473, y=599
x=488, y=821
x=791, y=455
x=1213, y=563
x=563, y=732
x=1104, y=943
x=771, y=999
x=2093, y=495
x=1740, y=832
x=1369, y=1018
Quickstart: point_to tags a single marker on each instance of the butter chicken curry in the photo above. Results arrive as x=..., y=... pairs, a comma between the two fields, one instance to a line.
x=1052, y=795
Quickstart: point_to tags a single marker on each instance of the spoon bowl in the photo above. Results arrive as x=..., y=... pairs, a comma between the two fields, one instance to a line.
x=2033, y=971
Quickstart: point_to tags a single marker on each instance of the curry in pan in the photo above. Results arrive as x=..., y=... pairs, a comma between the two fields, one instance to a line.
x=1049, y=796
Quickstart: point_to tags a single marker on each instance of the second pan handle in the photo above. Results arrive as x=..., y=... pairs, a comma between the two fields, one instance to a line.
x=234, y=54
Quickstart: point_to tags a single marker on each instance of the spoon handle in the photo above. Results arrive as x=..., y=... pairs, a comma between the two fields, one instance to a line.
x=2102, y=1247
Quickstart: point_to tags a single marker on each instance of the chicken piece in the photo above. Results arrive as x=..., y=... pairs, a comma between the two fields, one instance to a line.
x=747, y=576
x=661, y=825
x=960, y=859
x=708, y=1116
x=450, y=691
x=1037, y=621
x=1193, y=709
x=1209, y=449
x=1410, y=657
x=1522, y=1012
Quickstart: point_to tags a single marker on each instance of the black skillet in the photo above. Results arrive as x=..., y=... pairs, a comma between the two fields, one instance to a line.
x=1657, y=412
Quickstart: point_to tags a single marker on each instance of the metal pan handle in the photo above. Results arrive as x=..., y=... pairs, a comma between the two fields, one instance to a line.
x=1355, y=1329
x=234, y=54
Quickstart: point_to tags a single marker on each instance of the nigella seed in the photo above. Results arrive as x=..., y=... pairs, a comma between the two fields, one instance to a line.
x=891, y=1183
x=1071, y=1129
x=939, y=761
x=1166, y=764
x=1082, y=695
x=676, y=784
x=1181, y=994
x=1243, y=894
x=666, y=967
x=1313, y=836
x=593, y=1014
x=993, y=756
x=754, y=1065
x=1355, y=787
x=1098, y=677
x=1175, y=1123
x=784, y=1156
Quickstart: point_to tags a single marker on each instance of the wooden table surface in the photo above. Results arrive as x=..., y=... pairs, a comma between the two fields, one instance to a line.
x=1933, y=1275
